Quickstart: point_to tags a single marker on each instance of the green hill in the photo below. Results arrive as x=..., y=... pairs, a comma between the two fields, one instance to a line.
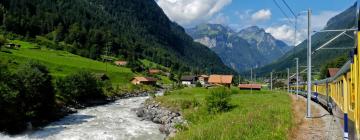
x=62, y=63
x=136, y=29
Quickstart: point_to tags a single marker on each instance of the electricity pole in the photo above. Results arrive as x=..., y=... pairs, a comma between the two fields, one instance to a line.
x=288, y=83
x=271, y=82
x=297, y=78
x=308, y=110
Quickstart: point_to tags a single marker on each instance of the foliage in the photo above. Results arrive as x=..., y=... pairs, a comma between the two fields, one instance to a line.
x=27, y=95
x=198, y=84
x=80, y=87
x=218, y=101
x=97, y=27
x=3, y=40
x=334, y=63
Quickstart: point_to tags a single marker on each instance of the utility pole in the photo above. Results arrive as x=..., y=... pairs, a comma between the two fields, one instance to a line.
x=271, y=82
x=288, y=83
x=308, y=106
x=297, y=78
x=251, y=80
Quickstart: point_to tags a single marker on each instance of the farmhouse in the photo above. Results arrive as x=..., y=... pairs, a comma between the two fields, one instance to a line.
x=143, y=80
x=120, y=63
x=250, y=86
x=188, y=80
x=225, y=80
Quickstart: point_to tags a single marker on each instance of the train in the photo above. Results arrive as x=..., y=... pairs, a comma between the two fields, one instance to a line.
x=339, y=94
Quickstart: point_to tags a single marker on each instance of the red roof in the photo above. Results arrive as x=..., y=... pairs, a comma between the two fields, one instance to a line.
x=333, y=71
x=220, y=79
x=248, y=86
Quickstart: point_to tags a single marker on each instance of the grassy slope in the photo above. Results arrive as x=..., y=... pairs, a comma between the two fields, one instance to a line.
x=61, y=63
x=260, y=115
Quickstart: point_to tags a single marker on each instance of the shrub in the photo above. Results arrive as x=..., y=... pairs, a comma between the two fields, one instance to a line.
x=3, y=40
x=80, y=87
x=198, y=84
x=218, y=101
x=35, y=90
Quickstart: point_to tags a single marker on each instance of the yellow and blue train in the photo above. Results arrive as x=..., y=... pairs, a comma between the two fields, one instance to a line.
x=340, y=94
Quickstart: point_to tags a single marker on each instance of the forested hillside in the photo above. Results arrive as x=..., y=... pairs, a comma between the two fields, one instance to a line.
x=126, y=29
x=344, y=20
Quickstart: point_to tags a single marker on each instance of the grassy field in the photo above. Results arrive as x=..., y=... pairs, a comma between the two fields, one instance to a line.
x=61, y=63
x=258, y=115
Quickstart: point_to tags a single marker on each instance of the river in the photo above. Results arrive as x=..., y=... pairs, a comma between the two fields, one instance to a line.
x=114, y=121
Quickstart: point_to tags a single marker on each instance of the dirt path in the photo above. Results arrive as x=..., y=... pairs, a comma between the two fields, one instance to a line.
x=317, y=128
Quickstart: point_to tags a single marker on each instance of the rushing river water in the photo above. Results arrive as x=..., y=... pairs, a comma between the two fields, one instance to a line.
x=115, y=121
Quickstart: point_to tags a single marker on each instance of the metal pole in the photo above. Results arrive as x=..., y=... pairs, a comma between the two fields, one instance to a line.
x=308, y=110
x=297, y=78
x=251, y=80
x=271, y=81
x=288, y=83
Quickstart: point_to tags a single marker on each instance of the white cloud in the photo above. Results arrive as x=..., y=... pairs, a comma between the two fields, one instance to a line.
x=261, y=15
x=187, y=12
x=220, y=19
x=286, y=31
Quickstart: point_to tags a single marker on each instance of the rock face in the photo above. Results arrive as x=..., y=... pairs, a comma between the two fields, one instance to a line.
x=249, y=48
x=152, y=111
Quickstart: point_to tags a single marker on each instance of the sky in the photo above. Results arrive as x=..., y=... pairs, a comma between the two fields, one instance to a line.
x=239, y=14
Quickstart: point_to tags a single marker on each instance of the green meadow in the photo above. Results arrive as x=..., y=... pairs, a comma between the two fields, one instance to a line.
x=255, y=115
x=62, y=63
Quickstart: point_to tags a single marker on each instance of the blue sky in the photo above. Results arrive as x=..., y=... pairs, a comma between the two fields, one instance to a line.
x=239, y=14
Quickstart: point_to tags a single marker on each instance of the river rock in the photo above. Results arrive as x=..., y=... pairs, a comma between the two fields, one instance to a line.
x=153, y=111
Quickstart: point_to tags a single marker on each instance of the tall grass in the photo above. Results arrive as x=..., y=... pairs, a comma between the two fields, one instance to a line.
x=262, y=115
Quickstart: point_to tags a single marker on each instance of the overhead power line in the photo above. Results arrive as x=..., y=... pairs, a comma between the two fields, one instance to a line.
x=292, y=12
x=282, y=11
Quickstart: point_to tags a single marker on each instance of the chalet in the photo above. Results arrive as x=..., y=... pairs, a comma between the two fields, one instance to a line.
x=250, y=86
x=143, y=80
x=225, y=80
x=188, y=80
x=203, y=79
x=120, y=63
x=154, y=71
x=332, y=72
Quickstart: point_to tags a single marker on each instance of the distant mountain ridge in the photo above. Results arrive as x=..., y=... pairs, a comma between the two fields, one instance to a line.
x=249, y=48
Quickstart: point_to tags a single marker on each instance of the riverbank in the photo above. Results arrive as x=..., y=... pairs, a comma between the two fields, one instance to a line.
x=170, y=120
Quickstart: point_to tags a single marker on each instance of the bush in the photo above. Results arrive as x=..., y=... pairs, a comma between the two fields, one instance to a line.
x=3, y=40
x=198, y=84
x=80, y=87
x=27, y=95
x=36, y=90
x=218, y=101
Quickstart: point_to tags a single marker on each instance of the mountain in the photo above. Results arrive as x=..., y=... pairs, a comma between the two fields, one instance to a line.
x=344, y=20
x=250, y=47
x=135, y=29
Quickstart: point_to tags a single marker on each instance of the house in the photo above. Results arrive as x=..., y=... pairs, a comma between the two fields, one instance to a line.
x=249, y=86
x=225, y=80
x=203, y=79
x=332, y=72
x=154, y=71
x=188, y=80
x=120, y=63
x=143, y=80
